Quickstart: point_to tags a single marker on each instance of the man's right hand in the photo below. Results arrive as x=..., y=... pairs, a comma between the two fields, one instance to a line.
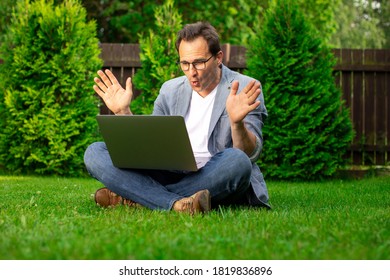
x=116, y=98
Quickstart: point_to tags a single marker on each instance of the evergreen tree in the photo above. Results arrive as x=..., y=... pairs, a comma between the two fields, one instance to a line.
x=308, y=128
x=158, y=57
x=47, y=105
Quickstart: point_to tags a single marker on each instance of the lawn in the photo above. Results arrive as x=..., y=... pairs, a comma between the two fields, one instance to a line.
x=55, y=218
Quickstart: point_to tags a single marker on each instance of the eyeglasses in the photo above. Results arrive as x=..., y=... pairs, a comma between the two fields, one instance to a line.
x=197, y=64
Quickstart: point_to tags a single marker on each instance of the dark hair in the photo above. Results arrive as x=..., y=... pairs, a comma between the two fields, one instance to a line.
x=192, y=31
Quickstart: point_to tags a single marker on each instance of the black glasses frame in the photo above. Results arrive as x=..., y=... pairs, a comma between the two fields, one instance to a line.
x=198, y=64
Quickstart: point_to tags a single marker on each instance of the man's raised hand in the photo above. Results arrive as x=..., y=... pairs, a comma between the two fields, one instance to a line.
x=239, y=105
x=116, y=98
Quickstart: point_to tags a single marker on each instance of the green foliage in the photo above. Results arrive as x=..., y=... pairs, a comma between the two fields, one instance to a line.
x=47, y=108
x=321, y=13
x=345, y=23
x=308, y=128
x=158, y=57
x=362, y=24
x=121, y=21
x=235, y=21
x=383, y=14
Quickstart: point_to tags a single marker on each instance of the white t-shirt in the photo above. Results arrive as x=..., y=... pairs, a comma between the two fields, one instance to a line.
x=197, y=122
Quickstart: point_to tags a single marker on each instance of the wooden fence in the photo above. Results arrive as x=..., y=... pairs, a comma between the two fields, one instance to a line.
x=362, y=75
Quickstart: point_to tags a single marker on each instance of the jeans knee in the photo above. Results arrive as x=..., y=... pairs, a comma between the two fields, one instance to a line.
x=233, y=170
x=240, y=159
x=92, y=153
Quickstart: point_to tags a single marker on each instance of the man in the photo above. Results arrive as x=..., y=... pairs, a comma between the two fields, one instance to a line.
x=223, y=112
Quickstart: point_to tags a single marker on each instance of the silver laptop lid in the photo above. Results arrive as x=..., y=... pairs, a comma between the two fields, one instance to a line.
x=147, y=142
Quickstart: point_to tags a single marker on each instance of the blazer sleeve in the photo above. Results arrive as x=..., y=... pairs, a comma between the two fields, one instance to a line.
x=254, y=122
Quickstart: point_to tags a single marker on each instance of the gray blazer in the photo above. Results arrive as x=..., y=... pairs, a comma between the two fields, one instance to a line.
x=174, y=99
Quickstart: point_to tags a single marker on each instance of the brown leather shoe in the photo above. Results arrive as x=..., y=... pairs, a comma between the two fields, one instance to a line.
x=106, y=198
x=199, y=202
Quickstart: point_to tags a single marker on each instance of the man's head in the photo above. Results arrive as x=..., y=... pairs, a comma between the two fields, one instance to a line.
x=200, y=29
x=200, y=56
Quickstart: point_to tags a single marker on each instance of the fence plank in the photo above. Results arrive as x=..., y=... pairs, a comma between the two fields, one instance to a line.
x=358, y=115
x=386, y=98
x=370, y=109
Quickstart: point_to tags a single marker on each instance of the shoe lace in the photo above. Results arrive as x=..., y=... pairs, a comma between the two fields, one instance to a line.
x=187, y=206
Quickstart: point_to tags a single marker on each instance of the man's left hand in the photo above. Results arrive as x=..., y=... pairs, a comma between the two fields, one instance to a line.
x=239, y=105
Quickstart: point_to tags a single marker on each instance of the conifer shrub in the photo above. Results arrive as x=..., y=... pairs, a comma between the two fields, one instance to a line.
x=308, y=128
x=158, y=57
x=47, y=105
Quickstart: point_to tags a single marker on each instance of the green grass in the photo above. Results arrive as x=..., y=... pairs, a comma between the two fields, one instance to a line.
x=55, y=218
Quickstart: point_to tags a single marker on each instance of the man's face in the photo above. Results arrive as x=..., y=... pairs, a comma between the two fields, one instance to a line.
x=205, y=80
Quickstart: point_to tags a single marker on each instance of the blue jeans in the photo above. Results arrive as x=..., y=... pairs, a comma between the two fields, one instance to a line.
x=226, y=176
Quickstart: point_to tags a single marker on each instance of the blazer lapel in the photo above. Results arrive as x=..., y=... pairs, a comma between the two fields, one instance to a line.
x=220, y=98
x=183, y=100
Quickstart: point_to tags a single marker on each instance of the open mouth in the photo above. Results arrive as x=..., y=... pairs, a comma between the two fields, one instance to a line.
x=195, y=83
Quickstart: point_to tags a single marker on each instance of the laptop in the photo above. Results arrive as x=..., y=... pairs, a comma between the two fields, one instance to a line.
x=147, y=142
